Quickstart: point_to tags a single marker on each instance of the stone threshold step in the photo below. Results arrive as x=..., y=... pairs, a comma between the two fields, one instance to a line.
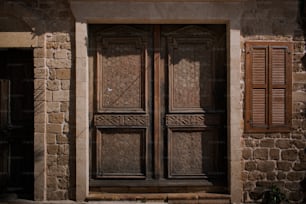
x=200, y=197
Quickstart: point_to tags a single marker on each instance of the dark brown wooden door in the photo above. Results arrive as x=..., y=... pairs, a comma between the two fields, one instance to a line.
x=17, y=122
x=159, y=108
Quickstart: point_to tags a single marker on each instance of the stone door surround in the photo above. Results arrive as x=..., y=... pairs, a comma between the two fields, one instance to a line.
x=158, y=12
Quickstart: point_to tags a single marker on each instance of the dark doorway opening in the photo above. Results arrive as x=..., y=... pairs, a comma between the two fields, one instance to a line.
x=17, y=123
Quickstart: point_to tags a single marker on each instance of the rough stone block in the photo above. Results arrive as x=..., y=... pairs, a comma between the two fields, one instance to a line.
x=283, y=144
x=57, y=195
x=299, y=77
x=247, y=153
x=62, y=183
x=59, y=63
x=261, y=154
x=284, y=166
x=40, y=73
x=57, y=118
x=54, y=128
x=61, y=54
x=64, y=106
x=57, y=170
x=271, y=176
x=52, y=45
x=63, y=149
x=267, y=143
x=51, y=160
x=300, y=166
x=302, y=156
x=257, y=136
x=256, y=176
x=299, y=144
x=250, y=165
x=247, y=186
x=39, y=52
x=274, y=154
x=51, y=138
x=52, y=149
x=53, y=107
x=50, y=53
x=39, y=127
x=299, y=96
x=289, y=155
x=295, y=176
x=63, y=74
x=51, y=183
x=66, y=46
x=295, y=196
x=39, y=117
x=62, y=37
x=53, y=85
x=39, y=84
x=65, y=84
x=39, y=62
x=61, y=96
x=293, y=186
x=265, y=166
x=40, y=95
x=61, y=139
x=281, y=176
x=63, y=160
x=66, y=128
x=52, y=74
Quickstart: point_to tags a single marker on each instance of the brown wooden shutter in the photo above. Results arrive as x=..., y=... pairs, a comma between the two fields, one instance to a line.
x=268, y=86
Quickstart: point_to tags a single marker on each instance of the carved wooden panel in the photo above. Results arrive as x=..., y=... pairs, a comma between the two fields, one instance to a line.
x=121, y=74
x=191, y=71
x=192, y=120
x=192, y=153
x=121, y=120
x=121, y=153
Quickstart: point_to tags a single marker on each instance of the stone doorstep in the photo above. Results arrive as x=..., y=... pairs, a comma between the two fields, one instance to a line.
x=205, y=198
x=134, y=198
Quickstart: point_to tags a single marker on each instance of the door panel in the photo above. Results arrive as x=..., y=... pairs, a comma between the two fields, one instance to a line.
x=192, y=120
x=160, y=106
x=127, y=147
x=121, y=118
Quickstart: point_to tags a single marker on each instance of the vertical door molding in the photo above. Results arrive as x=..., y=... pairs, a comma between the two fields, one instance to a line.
x=234, y=111
x=82, y=121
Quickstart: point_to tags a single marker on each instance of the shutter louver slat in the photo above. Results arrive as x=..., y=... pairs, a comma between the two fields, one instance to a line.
x=259, y=66
x=278, y=107
x=278, y=65
x=258, y=107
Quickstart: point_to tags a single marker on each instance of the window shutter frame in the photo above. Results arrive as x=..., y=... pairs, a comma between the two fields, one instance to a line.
x=273, y=91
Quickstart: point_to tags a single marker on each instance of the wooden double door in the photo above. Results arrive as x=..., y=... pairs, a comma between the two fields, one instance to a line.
x=158, y=106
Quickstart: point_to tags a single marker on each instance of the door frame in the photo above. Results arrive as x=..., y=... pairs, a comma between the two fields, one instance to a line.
x=110, y=119
x=166, y=12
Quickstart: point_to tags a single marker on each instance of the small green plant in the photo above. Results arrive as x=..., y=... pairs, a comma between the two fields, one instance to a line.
x=273, y=196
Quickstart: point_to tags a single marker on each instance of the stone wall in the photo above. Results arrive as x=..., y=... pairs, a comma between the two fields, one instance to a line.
x=59, y=104
x=276, y=158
